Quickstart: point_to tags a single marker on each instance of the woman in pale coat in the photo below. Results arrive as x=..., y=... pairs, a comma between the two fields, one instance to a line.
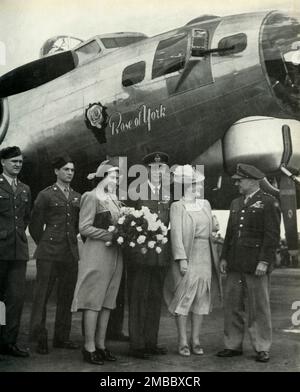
x=193, y=276
x=100, y=265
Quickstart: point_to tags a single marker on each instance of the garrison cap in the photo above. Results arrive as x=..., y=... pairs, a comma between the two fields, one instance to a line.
x=156, y=157
x=247, y=171
x=61, y=160
x=10, y=152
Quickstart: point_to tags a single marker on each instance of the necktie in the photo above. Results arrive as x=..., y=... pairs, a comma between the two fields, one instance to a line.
x=14, y=185
x=66, y=192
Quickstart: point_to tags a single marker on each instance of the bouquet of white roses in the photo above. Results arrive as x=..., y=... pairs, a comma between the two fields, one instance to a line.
x=139, y=229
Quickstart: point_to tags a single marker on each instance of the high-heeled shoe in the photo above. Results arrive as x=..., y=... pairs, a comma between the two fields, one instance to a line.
x=91, y=357
x=105, y=354
x=184, y=351
x=197, y=349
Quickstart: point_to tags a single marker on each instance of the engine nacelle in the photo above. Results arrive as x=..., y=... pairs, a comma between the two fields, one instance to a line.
x=264, y=142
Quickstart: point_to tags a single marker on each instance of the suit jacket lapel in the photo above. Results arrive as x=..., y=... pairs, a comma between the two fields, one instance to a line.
x=253, y=199
x=5, y=185
x=61, y=194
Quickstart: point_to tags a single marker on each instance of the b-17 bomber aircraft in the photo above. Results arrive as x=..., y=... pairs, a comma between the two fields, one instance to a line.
x=217, y=91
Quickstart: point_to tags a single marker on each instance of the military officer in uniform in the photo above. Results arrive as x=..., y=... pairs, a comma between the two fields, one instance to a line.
x=15, y=202
x=54, y=228
x=146, y=273
x=248, y=255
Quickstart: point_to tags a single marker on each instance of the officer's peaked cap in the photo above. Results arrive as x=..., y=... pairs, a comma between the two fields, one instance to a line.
x=156, y=157
x=247, y=171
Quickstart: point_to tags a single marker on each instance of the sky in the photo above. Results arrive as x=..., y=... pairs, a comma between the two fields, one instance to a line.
x=26, y=24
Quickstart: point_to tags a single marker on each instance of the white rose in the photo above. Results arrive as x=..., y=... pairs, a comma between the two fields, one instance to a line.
x=164, y=240
x=153, y=226
x=158, y=249
x=144, y=251
x=139, y=229
x=111, y=228
x=141, y=239
x=137, y=213
x=151, y=244
x=120, y=240
x=159, y=237
x=121, y=220
x=132, y=244
x=133, y=223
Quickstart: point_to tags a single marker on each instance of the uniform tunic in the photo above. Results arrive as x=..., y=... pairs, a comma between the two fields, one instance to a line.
x=54, y=228
x=14, y=218
x=252, y=236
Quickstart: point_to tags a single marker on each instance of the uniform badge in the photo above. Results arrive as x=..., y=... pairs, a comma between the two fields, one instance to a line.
x=258, y=204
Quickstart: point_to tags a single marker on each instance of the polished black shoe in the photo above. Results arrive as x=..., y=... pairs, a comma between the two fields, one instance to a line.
x=262, y=356
x=68, y=344
x=226, y=353
x=42, y=343
x=42, y=347
x=156, y=350
x=139, y=353
x=14, y=351
x=120, y=337
x=91, y=357
x=105, y=355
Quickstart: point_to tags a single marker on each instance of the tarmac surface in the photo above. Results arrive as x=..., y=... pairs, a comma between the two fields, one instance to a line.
x=285, y=353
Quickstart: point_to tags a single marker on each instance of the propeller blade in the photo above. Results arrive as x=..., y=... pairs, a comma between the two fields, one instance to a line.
x=288, y=203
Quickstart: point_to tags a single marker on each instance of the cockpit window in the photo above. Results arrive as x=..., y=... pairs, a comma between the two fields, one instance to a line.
x=88, y=51
x=118, y=42
x=237, y=43
x=170, y=55
x=281, y=55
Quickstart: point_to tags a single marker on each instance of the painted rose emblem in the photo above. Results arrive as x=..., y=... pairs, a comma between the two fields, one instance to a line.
x=96, y=120
x=96, y=115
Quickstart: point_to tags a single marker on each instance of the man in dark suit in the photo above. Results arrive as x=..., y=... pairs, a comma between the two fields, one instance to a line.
x=15, y=202
x=146, y=273
x=54, y=228
x=248, y=255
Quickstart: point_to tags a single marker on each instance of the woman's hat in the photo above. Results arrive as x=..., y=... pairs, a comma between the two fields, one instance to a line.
x=187, y=174
x=109, y=165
